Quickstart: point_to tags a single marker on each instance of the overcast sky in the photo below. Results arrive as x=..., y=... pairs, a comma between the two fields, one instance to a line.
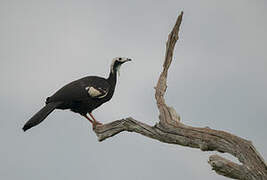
x=217, y=79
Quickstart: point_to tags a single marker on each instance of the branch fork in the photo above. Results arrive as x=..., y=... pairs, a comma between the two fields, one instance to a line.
x=171, y=130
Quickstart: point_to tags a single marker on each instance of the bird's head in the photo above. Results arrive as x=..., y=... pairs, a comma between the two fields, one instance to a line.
x=117, y=62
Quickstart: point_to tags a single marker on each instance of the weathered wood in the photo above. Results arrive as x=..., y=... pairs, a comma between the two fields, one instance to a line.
x=171, y=130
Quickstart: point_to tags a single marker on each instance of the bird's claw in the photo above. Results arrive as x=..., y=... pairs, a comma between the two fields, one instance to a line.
x=96, y=123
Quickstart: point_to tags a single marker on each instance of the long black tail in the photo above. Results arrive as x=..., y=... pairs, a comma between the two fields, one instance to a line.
x=41, y=115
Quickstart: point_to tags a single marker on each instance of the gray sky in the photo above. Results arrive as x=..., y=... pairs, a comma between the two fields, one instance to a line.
x=217, y=79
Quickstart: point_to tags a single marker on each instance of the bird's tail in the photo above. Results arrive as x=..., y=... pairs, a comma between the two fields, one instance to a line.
x=41, y=115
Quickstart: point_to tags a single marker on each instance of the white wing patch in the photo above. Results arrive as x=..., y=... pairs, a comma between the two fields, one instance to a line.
x=93, y=92
x=96, y=93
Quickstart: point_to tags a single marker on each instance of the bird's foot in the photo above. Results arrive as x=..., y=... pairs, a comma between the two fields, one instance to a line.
x=96, y=123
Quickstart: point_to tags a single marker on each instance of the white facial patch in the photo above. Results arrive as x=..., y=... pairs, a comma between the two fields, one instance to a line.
x=120, y=59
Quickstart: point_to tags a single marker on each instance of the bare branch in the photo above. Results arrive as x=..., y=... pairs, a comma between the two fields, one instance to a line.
x=227, y=168
x=167, y=114
x=205, y=139
x=232, y=170
x=171, y=130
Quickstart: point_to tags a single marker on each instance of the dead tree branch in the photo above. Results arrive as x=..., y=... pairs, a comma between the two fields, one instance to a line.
x=171, y=130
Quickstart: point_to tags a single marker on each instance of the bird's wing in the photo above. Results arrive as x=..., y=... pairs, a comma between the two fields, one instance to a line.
x=97, y=92
x=88, y=87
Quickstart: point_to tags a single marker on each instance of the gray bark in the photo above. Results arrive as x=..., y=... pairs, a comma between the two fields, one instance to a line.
x=171, y=130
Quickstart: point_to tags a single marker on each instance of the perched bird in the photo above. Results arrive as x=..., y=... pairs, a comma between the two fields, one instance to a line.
x=81, y=96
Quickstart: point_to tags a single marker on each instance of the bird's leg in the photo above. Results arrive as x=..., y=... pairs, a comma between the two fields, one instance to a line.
x=89, y=119
x=95, y=122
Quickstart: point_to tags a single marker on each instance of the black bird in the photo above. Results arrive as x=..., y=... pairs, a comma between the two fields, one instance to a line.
x=81, y=96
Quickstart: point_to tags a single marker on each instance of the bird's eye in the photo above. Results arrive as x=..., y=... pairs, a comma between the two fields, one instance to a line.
x=119, y=58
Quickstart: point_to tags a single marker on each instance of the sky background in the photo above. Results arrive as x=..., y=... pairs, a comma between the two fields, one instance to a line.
x=217, y=79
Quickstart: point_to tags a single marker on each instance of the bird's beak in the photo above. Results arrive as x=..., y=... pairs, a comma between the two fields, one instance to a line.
x=127, y=60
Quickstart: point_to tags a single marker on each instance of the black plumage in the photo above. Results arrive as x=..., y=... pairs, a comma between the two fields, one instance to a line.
x=81, y=96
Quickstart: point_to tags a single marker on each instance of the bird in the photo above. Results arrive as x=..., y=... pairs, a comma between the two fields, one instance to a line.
x=81, y=96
